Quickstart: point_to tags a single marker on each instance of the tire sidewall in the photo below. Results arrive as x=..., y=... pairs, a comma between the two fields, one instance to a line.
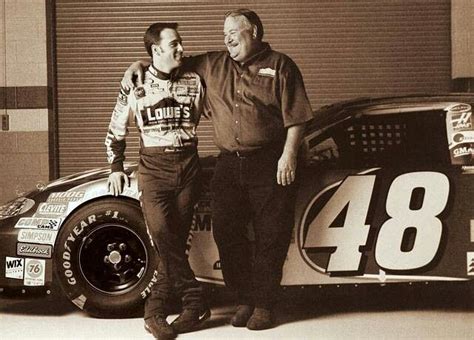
x=67, y=268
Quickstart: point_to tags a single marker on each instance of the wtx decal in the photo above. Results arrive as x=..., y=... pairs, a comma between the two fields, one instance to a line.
x=14, y=268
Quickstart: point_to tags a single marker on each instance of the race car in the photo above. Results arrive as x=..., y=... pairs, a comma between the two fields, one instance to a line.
x=384, y=198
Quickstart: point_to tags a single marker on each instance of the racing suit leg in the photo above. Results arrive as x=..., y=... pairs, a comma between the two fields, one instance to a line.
x=170, y=187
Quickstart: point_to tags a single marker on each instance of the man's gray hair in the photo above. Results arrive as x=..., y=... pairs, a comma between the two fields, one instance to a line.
x=251, y=16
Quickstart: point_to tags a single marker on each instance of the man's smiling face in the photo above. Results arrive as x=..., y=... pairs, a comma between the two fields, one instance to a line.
x=238, y=38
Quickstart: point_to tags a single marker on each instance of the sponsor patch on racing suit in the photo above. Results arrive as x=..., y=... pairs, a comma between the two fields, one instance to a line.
x=166, y=113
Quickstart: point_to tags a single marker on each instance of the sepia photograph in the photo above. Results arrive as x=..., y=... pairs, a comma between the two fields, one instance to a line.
x=236, y=169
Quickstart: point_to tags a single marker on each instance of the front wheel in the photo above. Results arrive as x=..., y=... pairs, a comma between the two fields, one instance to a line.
x=104, y=259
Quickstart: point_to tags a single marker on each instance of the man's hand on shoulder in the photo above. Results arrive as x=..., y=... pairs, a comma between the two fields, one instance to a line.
x=116, y=182
x=134, y=75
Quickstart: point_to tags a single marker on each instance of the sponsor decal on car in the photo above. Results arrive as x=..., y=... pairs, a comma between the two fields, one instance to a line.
x=460, y=118
x=460, y=133
x=51, y=209
x=34, y=250
x=202, y=220
x=14, y=267
x=37, y=236
x=65, y=197
x=462, y=151
x=34, y=272
x=80, y=301
x=470, y=263
x=16, y=207
x=38, y=223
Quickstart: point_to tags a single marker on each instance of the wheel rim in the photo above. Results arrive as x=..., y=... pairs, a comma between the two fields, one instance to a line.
x=112, y=258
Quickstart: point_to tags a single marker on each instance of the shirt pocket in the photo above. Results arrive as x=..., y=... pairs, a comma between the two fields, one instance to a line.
x=263, y=89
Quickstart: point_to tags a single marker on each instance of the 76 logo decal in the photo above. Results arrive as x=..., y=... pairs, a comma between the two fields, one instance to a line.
x=335, y=232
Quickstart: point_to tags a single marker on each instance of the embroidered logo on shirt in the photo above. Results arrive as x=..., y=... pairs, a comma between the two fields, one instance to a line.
x=267, y=72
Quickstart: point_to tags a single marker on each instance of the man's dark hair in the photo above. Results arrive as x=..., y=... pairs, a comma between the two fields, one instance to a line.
x=251, y=16
x=152, y=34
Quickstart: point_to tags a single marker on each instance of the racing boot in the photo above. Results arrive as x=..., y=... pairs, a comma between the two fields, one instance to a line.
x=159, y=328
x=242, y=315
x=261, y=319
x=190, y=320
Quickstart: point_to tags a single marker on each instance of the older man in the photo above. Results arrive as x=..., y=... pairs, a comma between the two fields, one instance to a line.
x=258, y=104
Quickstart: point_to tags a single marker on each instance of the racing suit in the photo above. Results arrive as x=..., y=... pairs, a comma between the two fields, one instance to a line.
x=167, y=110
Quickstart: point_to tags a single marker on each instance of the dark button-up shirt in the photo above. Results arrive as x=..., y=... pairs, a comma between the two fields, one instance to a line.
x=252, y=104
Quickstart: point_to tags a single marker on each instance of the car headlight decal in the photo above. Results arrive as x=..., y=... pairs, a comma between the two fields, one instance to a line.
x=16, y=207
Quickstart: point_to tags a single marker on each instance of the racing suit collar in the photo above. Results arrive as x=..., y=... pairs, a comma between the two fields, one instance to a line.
x=174, y=74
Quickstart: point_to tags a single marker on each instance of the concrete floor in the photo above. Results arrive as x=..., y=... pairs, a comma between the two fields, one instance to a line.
x=439, y=311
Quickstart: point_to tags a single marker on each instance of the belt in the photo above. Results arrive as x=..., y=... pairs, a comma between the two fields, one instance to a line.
x=244, y=153
x=168, y=149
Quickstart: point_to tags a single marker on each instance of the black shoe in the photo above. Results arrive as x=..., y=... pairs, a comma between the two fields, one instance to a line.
x=260, y=319
x=159, y=328
x=190, y=320
x=242, y=316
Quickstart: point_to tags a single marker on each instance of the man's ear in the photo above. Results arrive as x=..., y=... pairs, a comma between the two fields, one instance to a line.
x=254, y=32
x=156, y=49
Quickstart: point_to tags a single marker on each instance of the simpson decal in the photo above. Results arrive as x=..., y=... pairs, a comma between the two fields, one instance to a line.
x=38, y=223
x=65, y=197
x=14, y=268
x=34, y=250
x=34, y=272
x=37, y=236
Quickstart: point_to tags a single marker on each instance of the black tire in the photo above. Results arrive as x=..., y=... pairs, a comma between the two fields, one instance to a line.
x=104, y=259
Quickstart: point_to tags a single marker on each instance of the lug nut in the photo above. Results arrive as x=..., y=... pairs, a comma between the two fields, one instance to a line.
x=106, y=259
x=122, y=246
x=110, y=246
x=128, y=258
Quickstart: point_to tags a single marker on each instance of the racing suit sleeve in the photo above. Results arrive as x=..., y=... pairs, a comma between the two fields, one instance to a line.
x=118, y=130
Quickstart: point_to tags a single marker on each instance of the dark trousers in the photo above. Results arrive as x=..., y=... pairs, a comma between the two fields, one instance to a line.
x=170, y=186
x=245, y=189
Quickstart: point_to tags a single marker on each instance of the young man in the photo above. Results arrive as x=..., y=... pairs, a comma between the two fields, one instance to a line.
x=258, y=105
x=167, y=109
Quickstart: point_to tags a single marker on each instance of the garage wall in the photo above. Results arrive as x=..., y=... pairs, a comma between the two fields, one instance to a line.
x=462, y=27
x=345, y=49
x=23, y=96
